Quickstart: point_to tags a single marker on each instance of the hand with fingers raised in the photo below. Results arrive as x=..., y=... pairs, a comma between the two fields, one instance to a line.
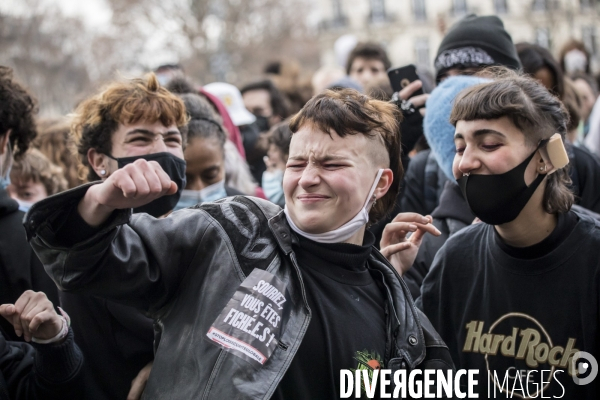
x=132, y=186
x=402, y=238
x=33, y=316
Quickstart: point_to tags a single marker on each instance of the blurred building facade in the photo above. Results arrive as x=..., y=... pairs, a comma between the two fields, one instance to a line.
x=411, y=30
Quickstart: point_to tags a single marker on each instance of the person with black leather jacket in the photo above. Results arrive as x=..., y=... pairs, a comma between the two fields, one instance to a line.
x=254, y=301
x=132, y=119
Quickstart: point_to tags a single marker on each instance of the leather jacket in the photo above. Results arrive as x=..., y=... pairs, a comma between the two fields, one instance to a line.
x=182, y=270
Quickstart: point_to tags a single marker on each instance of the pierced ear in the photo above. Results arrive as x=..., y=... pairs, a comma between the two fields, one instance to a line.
x=543, y=166
x=99, y=163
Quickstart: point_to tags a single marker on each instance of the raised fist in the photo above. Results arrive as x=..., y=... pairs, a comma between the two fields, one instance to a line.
x=134, y=185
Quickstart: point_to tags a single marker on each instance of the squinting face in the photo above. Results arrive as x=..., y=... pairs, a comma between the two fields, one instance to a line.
x=365, y=71
x=491, y=147
x=145, y=138
x=205, y=163
x=29, y=191
x=327, y=178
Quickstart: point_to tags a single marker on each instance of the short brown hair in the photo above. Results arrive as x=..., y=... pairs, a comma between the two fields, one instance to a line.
x=97, y=118
x=531, y=108
x=35, y=166
x=348, y=112
x=368, y=51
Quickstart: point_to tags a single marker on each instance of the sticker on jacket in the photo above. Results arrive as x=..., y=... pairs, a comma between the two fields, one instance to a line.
x=250, y=325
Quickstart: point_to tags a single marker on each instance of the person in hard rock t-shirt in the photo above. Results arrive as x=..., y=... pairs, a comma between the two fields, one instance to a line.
x=517, y=295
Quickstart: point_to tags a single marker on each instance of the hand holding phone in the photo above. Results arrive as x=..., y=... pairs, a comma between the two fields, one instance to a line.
x=401, y=77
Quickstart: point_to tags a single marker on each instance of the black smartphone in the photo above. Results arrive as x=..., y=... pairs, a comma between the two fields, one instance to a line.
x=402, y=77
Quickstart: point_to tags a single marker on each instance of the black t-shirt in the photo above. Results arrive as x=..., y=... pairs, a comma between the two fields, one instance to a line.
x=348, y=324
x=501, y=311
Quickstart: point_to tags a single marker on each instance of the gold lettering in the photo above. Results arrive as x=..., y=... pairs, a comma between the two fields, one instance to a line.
x=509, y=344
x=474, y=330
x=570, y=350
x=531, y=338
x=541, y=353
x=486, y=343
x=496, y=343
x=553, y=356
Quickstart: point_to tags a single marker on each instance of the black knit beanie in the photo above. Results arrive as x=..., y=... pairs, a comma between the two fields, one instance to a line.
x=475, y=42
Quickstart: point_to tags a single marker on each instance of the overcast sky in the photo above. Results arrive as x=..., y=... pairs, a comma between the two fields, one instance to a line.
x=94, y=12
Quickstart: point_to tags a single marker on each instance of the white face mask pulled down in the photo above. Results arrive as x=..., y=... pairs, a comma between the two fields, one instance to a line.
x=345, y=231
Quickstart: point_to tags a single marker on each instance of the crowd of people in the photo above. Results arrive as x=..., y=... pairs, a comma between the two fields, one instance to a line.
x=167, y=240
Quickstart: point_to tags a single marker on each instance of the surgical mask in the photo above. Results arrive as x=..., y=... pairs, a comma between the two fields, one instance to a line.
x=345, y=231
x=190, y=198
x=498, y=199
x=213, y=192
x=174, y=167
x=24, y=205
x=272, y=185
x=575, y=60
x=6, y=161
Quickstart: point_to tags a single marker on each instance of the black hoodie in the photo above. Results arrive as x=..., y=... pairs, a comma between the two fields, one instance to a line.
x=20, y=269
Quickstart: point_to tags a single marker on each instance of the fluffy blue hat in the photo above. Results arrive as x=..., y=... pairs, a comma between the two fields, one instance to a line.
x=436, y=124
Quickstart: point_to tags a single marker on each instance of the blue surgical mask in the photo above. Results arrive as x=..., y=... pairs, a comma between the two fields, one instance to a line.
x=213, y=192
x=272, y=184
x=24, y=205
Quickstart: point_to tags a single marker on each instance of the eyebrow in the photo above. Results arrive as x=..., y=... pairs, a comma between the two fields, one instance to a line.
x=320, y=159
x=480, y=132
x=150, y=133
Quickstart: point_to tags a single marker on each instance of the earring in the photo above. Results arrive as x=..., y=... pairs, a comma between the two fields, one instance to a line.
x=374, y=200
x=543, y=169
x=103, y=172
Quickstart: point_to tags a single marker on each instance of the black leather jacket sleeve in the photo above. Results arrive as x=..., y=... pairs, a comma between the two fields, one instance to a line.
x=135, y=260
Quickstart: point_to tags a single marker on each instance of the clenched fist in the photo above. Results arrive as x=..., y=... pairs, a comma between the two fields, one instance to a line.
x=132, y=186
x=33, y=315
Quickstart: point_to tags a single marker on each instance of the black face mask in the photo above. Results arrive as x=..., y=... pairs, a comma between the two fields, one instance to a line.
x=262, y=123
x=498, y=199
x=174, y=167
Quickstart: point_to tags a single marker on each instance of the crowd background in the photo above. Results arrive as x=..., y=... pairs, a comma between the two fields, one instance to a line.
x=64, y=49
